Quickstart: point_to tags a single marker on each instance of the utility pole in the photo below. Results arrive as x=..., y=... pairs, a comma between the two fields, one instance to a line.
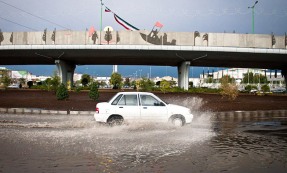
x=253, y=7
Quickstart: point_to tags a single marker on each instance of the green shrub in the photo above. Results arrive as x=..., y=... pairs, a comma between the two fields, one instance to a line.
x=41, y=87
x=248, y=88
x=94, y=93
x=164, y=86
x=265, y=88
x=62, y=92
x=146, y=84
x=177, y=90
x=77, y=89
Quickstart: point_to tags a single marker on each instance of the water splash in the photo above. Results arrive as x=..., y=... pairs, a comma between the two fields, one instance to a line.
x=126, y=145
x=193, y=103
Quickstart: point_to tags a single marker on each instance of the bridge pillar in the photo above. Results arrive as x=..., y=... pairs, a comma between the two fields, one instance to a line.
x=183, y=75
x=66, y=71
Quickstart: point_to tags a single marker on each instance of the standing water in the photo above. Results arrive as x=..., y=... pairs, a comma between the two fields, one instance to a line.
x=53, y=143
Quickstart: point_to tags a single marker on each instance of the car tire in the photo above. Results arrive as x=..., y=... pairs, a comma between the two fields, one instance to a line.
x=178, y=120
x=115, y=121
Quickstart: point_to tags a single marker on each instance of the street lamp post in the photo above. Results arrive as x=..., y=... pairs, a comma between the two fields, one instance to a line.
x=253, y=7
x=101, y=20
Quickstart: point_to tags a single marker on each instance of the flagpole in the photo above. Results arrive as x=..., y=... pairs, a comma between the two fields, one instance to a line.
x=101, y=26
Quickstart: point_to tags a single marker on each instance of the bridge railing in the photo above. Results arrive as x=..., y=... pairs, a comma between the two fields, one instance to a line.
x=144, y=38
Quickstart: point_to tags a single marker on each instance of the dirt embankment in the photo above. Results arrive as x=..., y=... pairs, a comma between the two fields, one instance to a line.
x=21, y=98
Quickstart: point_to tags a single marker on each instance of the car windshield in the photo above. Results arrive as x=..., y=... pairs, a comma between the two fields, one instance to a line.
x=116, y=100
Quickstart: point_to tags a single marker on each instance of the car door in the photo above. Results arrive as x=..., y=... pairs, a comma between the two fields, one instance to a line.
x=152, y=109
x=128, y=107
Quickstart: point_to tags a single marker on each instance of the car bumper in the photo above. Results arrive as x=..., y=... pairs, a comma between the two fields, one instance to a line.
x=188, y=118
x=101, y=117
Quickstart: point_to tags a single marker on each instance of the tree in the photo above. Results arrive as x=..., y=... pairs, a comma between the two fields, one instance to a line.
x=102, y=84
x=22, y=81
x=127, y=82
x=116, y=80
x=94, y=93
x=209, y=80
x=55, y=82
x=227, y=78
x=172, y=83
x=164, y=86
x=6, y=80
x=254, y=78
x=30, y=84
x=248, y=88
x=86, y=79
x=146, y=84
x=62, y=92
x=265, y=88
x=134, y=84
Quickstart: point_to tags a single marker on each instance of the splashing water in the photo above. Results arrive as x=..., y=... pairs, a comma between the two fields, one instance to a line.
x=128, y=144
x=193, y=103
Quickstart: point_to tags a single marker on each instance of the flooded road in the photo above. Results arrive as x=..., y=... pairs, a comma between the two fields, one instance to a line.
x=54, y=143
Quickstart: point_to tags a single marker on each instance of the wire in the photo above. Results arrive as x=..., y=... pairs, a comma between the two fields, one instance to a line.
x=18, y=24
x=35, y=15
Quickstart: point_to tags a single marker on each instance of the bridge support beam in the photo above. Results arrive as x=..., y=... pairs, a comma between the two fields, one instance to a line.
x=183, y=75
x=66, y=71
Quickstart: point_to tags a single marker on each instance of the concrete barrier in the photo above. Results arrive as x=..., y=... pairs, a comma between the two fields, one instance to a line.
x=143, y=37
x=43, y=111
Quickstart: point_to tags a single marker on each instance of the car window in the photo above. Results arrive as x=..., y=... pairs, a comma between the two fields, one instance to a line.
x=115, y=102
x=129, y=100
x=147, y=100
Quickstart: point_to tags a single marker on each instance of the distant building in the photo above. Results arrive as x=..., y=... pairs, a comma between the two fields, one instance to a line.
x=274, y=78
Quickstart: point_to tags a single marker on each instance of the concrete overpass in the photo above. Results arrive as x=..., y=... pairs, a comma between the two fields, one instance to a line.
x=182, y=49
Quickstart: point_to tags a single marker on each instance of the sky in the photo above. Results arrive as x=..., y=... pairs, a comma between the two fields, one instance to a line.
x=178, y=16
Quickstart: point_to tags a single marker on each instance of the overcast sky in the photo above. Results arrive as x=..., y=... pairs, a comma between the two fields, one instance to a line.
x=179, y=15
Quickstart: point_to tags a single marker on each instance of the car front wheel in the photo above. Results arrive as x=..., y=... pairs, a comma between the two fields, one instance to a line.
x=178, y=120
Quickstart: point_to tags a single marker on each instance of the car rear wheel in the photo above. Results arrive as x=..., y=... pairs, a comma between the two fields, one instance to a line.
x=115, y=121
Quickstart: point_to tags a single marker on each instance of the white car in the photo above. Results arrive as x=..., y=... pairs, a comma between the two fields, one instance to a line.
x=131, y=107
x=14, y=86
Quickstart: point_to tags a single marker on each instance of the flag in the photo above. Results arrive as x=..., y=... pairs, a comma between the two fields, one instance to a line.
x=158, y=24
x=124, y=23
x=91, y=31
x=107, y=9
